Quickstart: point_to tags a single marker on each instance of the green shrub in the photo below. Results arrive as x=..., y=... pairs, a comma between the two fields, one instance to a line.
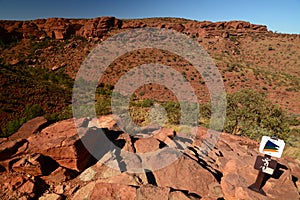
x=146, y=103
x=32, y=111
x=173, y=111
x=103, y=106
x=11, y=127
x=66, y=113
x=52, y=118
x=250, y=114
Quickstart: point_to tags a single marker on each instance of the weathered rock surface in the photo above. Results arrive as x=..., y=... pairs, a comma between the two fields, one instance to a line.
x=174, y=176
x=9, y=149
x=31, y=127
x=34, y=164
x=61, y=142
x=59, y=175
x=96, y=190
x=113, y=191
x=177, y=195
x=10, y=152
x=146, y=145
x=151, y=192
x=60, y=28
x=54, y=164
x=52, y=196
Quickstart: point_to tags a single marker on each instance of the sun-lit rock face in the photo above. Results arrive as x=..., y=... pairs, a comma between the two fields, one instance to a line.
x=54, y=162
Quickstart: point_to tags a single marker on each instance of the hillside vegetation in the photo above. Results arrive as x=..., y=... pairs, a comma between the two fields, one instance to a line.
x=260, y=69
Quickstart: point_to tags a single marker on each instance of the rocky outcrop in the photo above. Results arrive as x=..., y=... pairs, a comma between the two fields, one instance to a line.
x=60, y=28
x=57, y=28
x=53, y=163
x=62, y=143
x=174, y=176
x=33, y=126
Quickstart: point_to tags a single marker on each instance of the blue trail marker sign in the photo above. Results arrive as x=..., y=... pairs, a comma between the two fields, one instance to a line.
x=271, y=146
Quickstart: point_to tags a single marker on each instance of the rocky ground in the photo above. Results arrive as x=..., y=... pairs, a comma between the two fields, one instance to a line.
x=43, y=161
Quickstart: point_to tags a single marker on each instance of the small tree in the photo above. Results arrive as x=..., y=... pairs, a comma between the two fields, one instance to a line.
x=249, y=113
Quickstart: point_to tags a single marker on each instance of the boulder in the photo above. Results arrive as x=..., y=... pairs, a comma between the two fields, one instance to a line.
x=85, y=191
x=151, y=192
x=59, y=175
x=87, y=175
x=108, y=122
x=29, y=188
x=146, y=145
x=164, y=134
x=178, y=195
x=294, y=166
x=35, y=165
x=113, y=191
x=175, y=176
x=9, y=148
x=177, y=27
x=16, y=182
x=105, y=174
x=59, y=189
x=51, y=196
x=98, y=190
x=124, y=142
x=61, y=142
x=29, y=128
x=10, y=152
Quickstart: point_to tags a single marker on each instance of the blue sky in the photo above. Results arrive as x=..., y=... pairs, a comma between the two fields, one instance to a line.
x=279, y=15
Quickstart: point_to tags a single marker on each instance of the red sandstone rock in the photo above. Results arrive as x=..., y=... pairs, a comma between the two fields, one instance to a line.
x=29, y=128
x=52, y=196
x=16, y=182
x=59, y=28
x=146, y=145
x=177, y=195
x=192, y=175
x=59, y=175
x=30, y=164
x=96, y=190
x=174, y=176
x=128, y=146
x=113, y=191
x=61, y=142
x=165, y=135
x=151, y=192
x=9, y=148
x=29, y=188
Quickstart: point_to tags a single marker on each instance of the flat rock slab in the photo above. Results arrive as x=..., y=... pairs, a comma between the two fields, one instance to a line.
x=61, y=142
x=10, y=148
x=98, y=190
x=31, y=127
x=146, y=145
x=185, y=174
x=151, y=192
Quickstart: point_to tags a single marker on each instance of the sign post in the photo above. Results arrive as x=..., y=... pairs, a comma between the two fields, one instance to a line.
x=270, y=146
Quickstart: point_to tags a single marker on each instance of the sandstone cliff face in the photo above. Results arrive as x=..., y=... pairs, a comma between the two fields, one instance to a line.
x=52, y=163
x=60, y=28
